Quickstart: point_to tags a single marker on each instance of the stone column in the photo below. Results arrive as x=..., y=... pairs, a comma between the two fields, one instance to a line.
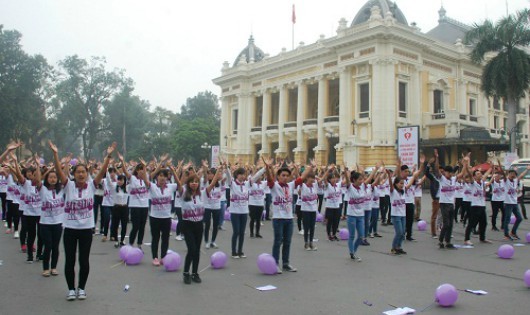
x=265, y=121
x=345, y=105
x=300, y=155
x=224, y=125
x=282, y=115
x=320, y=150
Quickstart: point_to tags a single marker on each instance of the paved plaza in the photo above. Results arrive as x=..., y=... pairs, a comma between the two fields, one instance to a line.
x=327, y=281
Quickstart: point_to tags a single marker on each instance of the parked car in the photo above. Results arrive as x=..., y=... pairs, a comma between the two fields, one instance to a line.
x=520, y=166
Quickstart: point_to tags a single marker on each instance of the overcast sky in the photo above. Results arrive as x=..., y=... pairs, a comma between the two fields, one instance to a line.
x=173, y=49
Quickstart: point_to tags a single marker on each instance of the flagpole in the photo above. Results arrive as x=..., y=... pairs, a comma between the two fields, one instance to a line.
x=293, y=20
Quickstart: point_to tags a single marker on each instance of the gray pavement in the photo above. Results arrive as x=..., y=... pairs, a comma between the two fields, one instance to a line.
x=327, y=281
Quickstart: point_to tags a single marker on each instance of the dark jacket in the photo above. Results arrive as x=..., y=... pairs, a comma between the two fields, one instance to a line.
x=434, y=184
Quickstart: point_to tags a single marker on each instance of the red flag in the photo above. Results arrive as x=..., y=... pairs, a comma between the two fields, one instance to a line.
x=294, y=16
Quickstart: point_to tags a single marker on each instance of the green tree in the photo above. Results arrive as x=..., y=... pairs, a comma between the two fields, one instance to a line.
x=198, y=122
x=507, y=75
x=84, y=88
x=23, y=79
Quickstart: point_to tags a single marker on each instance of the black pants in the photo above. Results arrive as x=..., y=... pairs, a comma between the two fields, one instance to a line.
x=477, y=215
x=138, y=218
x=23, y=227
x=192, y=235
x=209, y=215
x=332, y=217
x=383, y=206
x=159, y=227
x=98, y=200
x=520, y=201
x=320, y=202
x=497, y=206
x=13, y=218
x=51, y=236
x=409, y=220
x=178, y=211
x=466, y=207
x=458, y=205
x=255, y=218
x=448, y=213
x=120, y=215
x=31, y=228
x=309, y=218
x=4, y=207
x=298, y=211
x=72, y=238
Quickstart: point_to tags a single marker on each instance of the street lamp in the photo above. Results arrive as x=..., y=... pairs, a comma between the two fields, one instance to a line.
x=207, y=147
x=513, y=132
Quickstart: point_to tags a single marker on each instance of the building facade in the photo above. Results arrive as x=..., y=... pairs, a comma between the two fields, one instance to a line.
x=341, y=99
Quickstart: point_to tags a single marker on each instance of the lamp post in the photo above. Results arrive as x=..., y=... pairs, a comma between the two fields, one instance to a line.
x=510, y=134
x=207, y=147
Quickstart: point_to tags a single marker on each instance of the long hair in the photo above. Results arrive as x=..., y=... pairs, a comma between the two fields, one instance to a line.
x=124, y=186
x=47, y=184
x=188, y=194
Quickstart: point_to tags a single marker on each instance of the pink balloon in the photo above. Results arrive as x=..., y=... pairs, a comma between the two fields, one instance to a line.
x=135, y=256
x=505, y=251
x=422, y=225
x=124, y=252
x=267, y=264
x=512, y=219
x=446, y=295
x=227, y=215
x=73, y=162
x=344, y=234
x=527, y=278
x=172, y=261
x=528, y=237
x=174, y=223
x=218, y=260
x=320, y=217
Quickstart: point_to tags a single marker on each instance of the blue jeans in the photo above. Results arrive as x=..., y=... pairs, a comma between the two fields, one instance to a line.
x=508, y=210
x=367, y=218
x=222, y=214
x=355, y=223
x=283, y=232
x=373, y=220
x=399, y=229
x=239, y=224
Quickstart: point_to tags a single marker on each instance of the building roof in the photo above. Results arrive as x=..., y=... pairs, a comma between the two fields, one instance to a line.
x=385, y=5
x=448, y=30
x=251, y=53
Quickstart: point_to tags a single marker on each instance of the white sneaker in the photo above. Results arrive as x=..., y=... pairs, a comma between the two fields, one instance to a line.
x=301, y=232
x=81, y=294
x=179, y=238
x=207, y=245
x=5, y=224
x=261, y=223
x=71, y=295
x=213, y=245
x=468, y=243
x=16, y=235
x=279, y=270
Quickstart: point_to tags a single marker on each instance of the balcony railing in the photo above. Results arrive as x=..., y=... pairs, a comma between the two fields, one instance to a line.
x=272, y=127
x=309, y=122
x=331, y=119
x=289, y=124
x=255, y=129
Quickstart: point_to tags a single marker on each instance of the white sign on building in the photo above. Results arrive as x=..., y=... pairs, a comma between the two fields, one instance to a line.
x=408, y=143
x=215, y=156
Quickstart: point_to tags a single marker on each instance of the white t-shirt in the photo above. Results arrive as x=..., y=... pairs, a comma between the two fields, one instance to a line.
x=511, y=191
x=376, y=194
x=447, y=189
x=139, y=194
x=309, y=197
x=410, y=193
x=282, y=200
x=3, y=184
x=119, y=197
x=418, y=191
x=356, y=200
x=161, y=202
x=397, y=202
x=52, y=206
x=212, y=200
x=459, y=190
x=367, y=205
x=468, y=193
x=32, y=201
x=192, y=210
x=479, y=195
x=497, y=191
x=79, y=205
x=13, y=193
x=256, y=194
x=333, y=195
x=107, y=195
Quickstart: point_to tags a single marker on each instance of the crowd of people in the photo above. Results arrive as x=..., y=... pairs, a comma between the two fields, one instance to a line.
x=43, y=203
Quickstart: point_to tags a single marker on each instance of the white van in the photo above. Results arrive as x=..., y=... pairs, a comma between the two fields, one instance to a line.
x=520, y=166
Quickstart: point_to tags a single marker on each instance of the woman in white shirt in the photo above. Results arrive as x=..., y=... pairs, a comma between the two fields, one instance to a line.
x=78, y=220
x=333, y=197
x=120, y=209
x=309, y=206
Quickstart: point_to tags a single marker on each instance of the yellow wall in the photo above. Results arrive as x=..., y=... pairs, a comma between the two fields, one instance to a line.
x=452, y=85
x=369, y=157
x=437, y=132
x=425, y=92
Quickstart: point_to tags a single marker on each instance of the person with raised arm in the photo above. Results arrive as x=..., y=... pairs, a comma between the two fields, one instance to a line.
x=212, y=203
x=78, y=220
x=120, y=209
x=398, y=191
x=309, y=205
x=511, y=184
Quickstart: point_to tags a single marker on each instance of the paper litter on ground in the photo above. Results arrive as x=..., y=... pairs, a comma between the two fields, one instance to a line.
x=477, y=292
x=400, y=311
x=266, y=288
x=463, y=246
x=519, y=245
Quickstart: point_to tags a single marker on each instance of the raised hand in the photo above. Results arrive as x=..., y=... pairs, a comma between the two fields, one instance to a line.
x=14, y=145
x=436, y=153
x=52, y=146
x=111, y=148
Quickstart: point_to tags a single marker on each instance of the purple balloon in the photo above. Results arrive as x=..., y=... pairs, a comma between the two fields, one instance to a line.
x=446, y=295
x=527, y=278
x=227, y=215
x=174, y=223
x=512, y=219
x=218, y=260
x=528, y=237
x=73, y=162
x=267, y=264
x=505, y=251
x=135, y=256
x=172, y=261
x=422, y=225
x=41, y=161
x=124, y=252
x=344, y=234
x=320, y=217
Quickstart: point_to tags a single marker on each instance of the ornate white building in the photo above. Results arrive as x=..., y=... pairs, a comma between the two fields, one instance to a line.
x=341, y=99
